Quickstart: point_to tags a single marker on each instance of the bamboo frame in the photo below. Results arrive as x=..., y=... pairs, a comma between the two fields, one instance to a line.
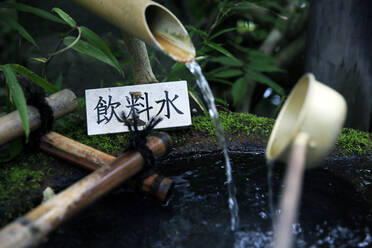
x=93, y=159
x=62, y=103
x=30, y=229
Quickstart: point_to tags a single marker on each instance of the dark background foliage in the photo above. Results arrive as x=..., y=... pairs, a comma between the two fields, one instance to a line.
x=251, y=51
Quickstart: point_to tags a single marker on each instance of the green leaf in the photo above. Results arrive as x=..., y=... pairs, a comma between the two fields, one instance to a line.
x=264, y=67
x=239, y=89
x=88, y=49
x=15, y=25
x=195, y=96
x=59, y=82
x=176, y=68
x=219, y=48
x=36, y=79
x=200, y=32
x=219, y=80
x=95, y=40
x=41, y=60
x=36, y=11
x=255, y=55
x=227, y=61
x=228, y=73
x=261, y=78
x=18, y=96
x=221, y=101
x=219, y=33
x=247, y=6
x=68, y=19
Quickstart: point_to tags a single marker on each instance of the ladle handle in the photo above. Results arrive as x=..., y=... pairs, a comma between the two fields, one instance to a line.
x=283, y=237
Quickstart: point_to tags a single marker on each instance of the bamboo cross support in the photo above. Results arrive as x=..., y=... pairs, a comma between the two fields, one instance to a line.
x=29, y=230
x=92, y=159
x=62, y=103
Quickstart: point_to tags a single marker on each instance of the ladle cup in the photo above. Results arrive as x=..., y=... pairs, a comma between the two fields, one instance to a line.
x=304, y=133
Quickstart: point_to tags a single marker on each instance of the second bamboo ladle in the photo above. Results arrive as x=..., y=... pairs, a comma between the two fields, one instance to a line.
x=304, y=133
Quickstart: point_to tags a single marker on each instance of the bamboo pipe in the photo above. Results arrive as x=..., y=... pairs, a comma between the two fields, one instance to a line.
x=62, y=103
x=29, y=230
x=92, y=159
x=283, y=237
x=149, y=21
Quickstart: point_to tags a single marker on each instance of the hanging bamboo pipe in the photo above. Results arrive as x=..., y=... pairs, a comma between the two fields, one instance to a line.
x=29, y=230
x=92, y=159
x=62, y=103
x=149, y=21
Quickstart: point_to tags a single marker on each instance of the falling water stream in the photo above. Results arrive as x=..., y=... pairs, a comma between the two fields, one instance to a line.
x=202, y=83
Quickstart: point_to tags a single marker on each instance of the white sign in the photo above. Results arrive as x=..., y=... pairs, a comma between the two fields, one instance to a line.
x=105, y=107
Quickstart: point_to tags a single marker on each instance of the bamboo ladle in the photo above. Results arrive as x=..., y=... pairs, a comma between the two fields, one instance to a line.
x=304, y=133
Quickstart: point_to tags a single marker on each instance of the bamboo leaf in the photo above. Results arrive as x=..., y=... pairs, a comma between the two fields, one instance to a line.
x=239, y=89
x=176, y=68
x=36, y=79
x=219, y=48
x=228, y=73
x=16, y=26
x=255, y=55
x=88, y=49
x=200, y=32
x=59, y=82
x=219, y=80
x=29, y=9
x=41, y=60
x=227, y=61
x=94, y=39
x=18, y=96
x=68, y=19
x=261, y=78
x=264, y=67
x=219, y=33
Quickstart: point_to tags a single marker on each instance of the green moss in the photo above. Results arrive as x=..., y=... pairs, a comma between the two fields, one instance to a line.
x=259, y=128
x=236, y=123
x=74, y=127
x=19, y=181
x=354, y=142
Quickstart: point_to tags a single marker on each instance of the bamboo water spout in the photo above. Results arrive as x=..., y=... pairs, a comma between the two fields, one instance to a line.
x=149, y=21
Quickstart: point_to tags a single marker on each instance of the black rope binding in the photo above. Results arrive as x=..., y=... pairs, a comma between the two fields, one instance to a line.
x=36, y=98
x=138, y=139
x=137, y=142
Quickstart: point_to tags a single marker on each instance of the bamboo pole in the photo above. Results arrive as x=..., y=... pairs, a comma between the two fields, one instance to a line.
x=92, y=159
x=30, y=229
x=62, y=103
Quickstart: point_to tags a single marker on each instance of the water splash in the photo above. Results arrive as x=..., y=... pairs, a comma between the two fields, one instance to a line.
x=202, y=83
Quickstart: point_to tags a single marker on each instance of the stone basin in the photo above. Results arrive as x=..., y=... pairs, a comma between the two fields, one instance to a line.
x=335, y=207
